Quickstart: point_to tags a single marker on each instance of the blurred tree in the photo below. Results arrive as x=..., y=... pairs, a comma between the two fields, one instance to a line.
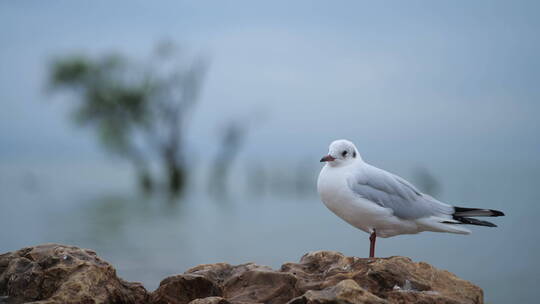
x=140, y=111
x=233, y=137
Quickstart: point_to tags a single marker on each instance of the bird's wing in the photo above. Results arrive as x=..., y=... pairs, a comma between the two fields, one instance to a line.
x=393, y=192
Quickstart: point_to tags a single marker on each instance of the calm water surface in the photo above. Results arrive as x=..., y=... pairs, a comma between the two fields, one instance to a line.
x=148, y=238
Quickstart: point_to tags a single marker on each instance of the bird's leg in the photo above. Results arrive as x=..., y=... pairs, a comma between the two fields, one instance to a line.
x=372, y=239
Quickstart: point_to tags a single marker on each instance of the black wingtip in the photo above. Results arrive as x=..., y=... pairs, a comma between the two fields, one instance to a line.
x=472, y=221
x=497, y=212
x=487, y=224
x=466, y=212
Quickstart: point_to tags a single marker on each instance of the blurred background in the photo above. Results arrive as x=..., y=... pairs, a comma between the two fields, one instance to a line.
x=166, y=135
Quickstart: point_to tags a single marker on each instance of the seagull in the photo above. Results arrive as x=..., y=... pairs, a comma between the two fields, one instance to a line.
x=383, y=204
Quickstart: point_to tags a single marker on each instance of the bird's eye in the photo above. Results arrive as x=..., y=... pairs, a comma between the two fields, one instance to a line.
x=343, y=153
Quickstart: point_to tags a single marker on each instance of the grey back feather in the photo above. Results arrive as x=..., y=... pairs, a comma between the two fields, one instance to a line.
x=391, y=191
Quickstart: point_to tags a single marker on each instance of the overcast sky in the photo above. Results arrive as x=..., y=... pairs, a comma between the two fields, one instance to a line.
x=412, y=79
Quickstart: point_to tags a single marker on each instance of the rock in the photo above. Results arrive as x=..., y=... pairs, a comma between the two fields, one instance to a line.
x=330, y=277
x=182, y=289
x=210, y=300
x=394, y=279
x=54, y=273
x=247, y=283
x=346, y=291
x=62, y=274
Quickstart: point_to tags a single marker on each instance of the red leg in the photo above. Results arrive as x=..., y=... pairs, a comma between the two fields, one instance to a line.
x=372, y=239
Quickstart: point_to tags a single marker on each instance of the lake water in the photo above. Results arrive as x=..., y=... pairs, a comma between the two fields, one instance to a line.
x=148, y=238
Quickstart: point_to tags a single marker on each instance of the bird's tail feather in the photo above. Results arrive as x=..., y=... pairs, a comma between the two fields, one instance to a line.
x=439, y=224
x=466, y=212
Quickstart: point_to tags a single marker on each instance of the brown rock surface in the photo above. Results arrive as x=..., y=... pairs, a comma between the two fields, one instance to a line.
x=53, y=273
x=250, y=283
x=346, y=291
x=182, y=289
x=330, y=277
x=62, y=274
x=394, y=280
x=210, y=300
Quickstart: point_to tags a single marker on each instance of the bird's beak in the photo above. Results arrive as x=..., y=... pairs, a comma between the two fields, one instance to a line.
x=327, y=158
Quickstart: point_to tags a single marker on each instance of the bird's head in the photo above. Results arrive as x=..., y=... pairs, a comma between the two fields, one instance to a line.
x=341, y=152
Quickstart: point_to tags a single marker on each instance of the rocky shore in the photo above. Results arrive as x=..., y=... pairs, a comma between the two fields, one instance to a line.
x=54, y=273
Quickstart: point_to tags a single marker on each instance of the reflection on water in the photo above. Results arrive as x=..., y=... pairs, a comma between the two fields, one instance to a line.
x=148, y=238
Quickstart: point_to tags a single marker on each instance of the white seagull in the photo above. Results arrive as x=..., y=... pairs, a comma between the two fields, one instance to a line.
x=383, y=204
